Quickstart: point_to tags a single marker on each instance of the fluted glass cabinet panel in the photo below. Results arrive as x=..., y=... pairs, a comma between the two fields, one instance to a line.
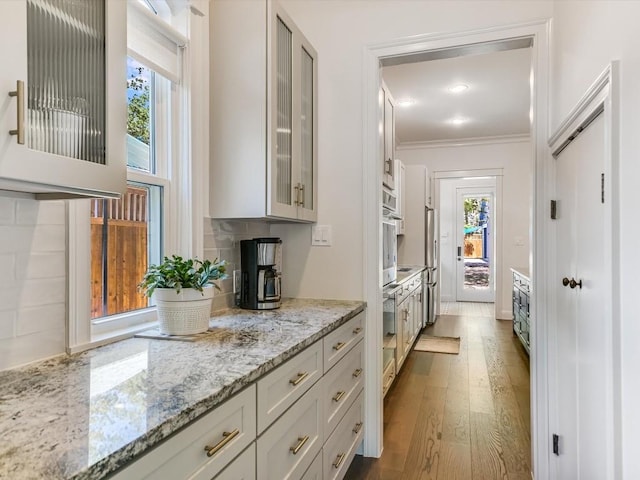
x=284, y=145
x=66, y=78
x=306, y=122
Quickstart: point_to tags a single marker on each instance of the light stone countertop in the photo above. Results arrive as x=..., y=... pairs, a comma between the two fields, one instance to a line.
x=523, y=271
x=83, y=416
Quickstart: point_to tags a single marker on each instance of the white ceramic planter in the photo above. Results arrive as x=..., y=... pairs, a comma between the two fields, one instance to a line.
x=183, y=313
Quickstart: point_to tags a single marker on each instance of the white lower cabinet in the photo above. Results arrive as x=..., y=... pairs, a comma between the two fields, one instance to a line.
x=242, y=468
x=342, y=384
x=276, y=428
x=204, y=448
x=315, y=470
x=342, y=339
x=288, y=447
x=279, y=389
x=340, y=447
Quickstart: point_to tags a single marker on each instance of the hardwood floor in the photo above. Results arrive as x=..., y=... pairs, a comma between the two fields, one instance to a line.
x=460, y=416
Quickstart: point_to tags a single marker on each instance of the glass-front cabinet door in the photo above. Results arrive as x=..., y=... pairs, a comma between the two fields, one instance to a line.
x=307, y=209
x=293, y=121
x=64, y=76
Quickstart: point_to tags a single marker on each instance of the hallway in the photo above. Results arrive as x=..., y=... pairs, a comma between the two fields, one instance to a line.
x=463, y=416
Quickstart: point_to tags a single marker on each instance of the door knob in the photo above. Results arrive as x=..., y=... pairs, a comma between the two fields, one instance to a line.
x=574, y=284
x=565, y=281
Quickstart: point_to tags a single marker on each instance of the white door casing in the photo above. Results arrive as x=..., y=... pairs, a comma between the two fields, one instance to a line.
x=540, y=263
x=464, y=294
x=582, y=324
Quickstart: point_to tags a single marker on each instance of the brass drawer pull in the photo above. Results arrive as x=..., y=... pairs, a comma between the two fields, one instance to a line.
x=339, y=346
x=357, y=428
x=338, y=396
x=357, y=372
x=226, y=438
x=301, y=376
x=339, y=459
x=357, y=330
x=301, y=442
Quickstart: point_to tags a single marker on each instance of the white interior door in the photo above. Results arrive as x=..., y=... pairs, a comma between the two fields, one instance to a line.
x=475, y=245
x=581, y=357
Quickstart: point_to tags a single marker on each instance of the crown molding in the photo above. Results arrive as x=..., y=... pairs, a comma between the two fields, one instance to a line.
x=465, y=142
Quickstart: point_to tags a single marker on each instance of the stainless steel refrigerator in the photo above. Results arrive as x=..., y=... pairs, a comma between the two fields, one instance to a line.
x=419, y=245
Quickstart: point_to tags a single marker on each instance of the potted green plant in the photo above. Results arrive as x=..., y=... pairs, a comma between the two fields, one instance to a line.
x=183, y=292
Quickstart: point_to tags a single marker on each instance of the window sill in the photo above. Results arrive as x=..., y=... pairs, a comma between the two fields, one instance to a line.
x=112, y=337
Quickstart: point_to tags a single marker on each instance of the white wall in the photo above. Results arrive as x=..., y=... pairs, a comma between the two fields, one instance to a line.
x=514, y=159
x=339, y=30
x=586, y=37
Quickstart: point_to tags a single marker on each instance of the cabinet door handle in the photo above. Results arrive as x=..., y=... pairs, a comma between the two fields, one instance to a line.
x=339, y=346
x=226, y=438
x=301, y=376
x=338, y=396
x=301, y=441
x=297, y=194
x=19, y=93
x=357, y=428
x=339, y=459
x=565, y=281
x=357, y=330
x=357, y=372
x=574, y=284
x=301, y=190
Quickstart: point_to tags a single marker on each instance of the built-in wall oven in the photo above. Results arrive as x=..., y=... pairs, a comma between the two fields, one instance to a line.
x=389, y=251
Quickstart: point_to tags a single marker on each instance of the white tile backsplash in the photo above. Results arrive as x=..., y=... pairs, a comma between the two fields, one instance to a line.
x=38, y=319
x=222, y=241
x=33, y=280
x=7, y=324
x=39, y=265
x=7, y=211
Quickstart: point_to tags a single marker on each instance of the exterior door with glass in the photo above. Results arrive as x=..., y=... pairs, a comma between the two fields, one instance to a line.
x=475, y=227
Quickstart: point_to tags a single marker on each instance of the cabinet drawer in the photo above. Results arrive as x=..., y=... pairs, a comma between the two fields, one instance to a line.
x=281, y=388
x=340, y=448
x=342, y=339
x=288, y=447
x=242, y=468
x=342, y=385
x=387, y=377
x=315, y=470
x=225, y=431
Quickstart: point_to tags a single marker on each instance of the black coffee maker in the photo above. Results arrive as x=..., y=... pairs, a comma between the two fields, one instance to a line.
x=260, y=261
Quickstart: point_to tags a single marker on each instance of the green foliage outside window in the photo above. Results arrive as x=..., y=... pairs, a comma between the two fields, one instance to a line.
x=138, y=107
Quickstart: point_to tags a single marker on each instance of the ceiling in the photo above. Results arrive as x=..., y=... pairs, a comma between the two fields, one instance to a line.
x=496, y=102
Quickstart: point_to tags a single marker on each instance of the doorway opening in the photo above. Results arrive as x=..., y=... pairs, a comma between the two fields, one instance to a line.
x=535, y=34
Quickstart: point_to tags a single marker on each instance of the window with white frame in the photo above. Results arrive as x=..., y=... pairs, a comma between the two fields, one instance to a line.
x=122, y=237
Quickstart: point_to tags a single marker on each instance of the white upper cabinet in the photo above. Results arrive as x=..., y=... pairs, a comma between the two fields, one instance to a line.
x=264, y=112
x=63, y=120
x=388, y=137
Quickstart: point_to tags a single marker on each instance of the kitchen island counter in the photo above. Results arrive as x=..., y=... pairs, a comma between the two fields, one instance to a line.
x=84, y=416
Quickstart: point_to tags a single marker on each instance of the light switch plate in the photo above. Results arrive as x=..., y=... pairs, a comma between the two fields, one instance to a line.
x=321, y=235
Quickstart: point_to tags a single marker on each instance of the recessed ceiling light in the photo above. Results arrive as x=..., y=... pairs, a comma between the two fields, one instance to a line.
x=406, y=102
x=458, y=121
x=459, y=88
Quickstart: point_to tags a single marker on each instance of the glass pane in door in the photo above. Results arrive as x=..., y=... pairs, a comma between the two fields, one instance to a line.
x=284, y=113
x=66, y=78
x=476, y=250
x=306, y=133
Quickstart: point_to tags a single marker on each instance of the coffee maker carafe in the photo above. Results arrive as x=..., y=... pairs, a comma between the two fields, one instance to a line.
x=260, y=276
